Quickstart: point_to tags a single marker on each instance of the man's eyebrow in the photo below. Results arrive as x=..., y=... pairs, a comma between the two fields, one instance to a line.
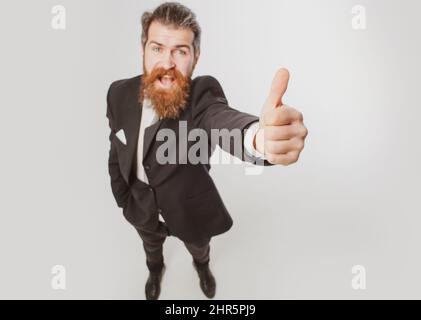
x=182, y=46
x=177, y=46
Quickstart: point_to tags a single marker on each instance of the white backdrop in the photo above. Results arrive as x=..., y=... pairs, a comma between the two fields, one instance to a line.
x=353, y=198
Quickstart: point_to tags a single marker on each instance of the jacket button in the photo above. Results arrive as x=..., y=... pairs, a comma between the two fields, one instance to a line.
x=159, y=211
x=147, y=167
x=150, y=189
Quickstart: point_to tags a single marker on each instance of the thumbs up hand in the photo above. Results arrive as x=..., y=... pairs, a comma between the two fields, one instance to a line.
x=281, y=131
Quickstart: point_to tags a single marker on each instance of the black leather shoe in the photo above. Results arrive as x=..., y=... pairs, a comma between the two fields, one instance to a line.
x=153, y=284
x=207, y=280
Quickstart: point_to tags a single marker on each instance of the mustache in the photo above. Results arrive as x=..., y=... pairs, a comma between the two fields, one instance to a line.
x=160, y=72
x=168, y=103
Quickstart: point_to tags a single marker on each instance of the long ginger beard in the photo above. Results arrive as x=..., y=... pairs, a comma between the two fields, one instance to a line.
x=168, y=91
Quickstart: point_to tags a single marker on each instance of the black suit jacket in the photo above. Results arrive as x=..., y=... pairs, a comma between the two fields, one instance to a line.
x=184, y=194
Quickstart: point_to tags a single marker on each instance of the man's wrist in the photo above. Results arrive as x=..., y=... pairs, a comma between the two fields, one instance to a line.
x=250, y=140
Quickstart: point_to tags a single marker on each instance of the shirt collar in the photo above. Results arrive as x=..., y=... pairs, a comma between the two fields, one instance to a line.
x=147, y=103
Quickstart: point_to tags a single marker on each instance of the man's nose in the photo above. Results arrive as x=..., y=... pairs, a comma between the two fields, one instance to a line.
x=167, y=61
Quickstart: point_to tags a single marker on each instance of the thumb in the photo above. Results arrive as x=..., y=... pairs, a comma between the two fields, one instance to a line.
x=278, y=88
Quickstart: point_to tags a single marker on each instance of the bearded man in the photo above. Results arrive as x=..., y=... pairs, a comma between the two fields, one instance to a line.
x=181, y=199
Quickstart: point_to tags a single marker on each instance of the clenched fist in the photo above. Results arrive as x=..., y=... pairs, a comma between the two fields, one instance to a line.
x=281, y=131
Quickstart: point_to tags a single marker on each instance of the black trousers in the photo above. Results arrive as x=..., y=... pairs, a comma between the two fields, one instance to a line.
x=153, y=245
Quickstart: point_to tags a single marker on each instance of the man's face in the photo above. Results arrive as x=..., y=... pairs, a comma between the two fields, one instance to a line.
x=168, y=63
x=169, y=48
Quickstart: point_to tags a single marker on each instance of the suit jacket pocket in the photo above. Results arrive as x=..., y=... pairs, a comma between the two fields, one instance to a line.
x=206, y=200
x=199, y=192
x=118, y=142
x=203, y=212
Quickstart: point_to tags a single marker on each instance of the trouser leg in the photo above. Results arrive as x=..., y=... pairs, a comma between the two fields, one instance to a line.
x=153, y=245
x=199, y=250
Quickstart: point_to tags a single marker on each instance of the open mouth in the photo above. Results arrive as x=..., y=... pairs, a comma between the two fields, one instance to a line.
x=166, y=81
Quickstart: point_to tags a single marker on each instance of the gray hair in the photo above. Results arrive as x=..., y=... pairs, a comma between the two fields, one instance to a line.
x=172, y=14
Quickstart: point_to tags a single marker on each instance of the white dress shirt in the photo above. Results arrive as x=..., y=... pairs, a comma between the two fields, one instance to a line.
x=149, y=118
x=248, y=141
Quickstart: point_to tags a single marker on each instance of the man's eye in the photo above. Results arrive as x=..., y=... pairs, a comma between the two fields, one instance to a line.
x=182, y=52
x=156, y=49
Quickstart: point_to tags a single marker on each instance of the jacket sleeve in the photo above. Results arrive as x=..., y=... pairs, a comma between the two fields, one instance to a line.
x=119, y=187
x=211, y=111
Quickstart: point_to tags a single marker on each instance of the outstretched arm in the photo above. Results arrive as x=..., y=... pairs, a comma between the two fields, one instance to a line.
x=212, y=113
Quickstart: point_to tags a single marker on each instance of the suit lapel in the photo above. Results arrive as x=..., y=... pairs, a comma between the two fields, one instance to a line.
x=134, y=114
x=133, y=125
x=149, y=136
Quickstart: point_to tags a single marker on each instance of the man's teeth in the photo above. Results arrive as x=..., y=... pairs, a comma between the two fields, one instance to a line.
x=166, y=80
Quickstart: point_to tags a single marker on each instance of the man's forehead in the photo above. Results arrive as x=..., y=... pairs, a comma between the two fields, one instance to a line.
x=169, y=35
